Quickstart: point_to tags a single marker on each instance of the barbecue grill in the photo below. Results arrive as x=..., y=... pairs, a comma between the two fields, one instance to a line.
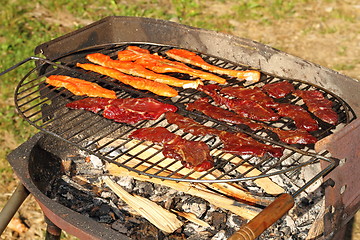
x=63, y=131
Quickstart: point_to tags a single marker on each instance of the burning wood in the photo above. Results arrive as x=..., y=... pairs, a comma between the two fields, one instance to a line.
x=228, y=188
x=265, y=183
x=154, y=159
x=242, y=210
x=191, y=217
x=160, y=217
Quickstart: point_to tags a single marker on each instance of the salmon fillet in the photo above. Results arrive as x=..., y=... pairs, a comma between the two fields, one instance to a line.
x=139, y=71
x=159, y=64
x=193, y=59
x=136, y=82
x=79, y=86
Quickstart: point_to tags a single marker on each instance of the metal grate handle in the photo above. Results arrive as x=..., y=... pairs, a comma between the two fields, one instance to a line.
x=278, y=208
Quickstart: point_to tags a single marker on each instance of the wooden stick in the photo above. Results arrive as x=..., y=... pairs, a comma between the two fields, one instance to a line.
x=265, y=219
x=192, y=217
x=243, y=210
x=157, y=215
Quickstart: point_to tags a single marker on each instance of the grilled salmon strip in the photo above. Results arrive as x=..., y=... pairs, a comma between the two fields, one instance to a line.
x=139, y=71
x=193, y=59
x=80, y=87
x=159, y=64
x=136, y=82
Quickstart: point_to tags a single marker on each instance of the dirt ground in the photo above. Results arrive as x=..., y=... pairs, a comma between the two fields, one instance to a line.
x=333, y=42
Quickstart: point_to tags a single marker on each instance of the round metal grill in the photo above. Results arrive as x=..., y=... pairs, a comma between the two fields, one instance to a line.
x=44, y=107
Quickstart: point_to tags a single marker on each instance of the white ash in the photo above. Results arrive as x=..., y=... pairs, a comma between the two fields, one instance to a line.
x=69, y=196
x=221, y=235
x=234, y=221
x=196, y=232
x=96, y=162
x=145, y=189
x=106, y=194
x=126, y=182
x=195, y=205
x=229, y=168
x=160, y=190
x=98, y=201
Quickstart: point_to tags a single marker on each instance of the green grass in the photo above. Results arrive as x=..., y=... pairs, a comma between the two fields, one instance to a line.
x=264, y=10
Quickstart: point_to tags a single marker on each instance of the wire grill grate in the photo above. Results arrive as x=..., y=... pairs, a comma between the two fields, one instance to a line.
x=44, y=107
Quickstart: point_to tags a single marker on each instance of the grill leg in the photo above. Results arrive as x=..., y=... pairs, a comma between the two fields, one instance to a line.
x=15, y=201
x=53, y=232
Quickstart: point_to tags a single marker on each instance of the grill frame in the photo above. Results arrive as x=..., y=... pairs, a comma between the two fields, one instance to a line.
x=184, y=96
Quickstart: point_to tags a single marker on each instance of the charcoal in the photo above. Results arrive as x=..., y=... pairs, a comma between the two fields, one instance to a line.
x=199, y=236
x=116, y=210
x=194, y=205
x=219, y=220
x=104, y=209
x=234, y=221
x=127, y=183
x=106, y=219
x=119, y=226
x=194, y=231
x=86, y=194
x=286, y=231
x=147, y=231
x=176, y=237
x=144, y=188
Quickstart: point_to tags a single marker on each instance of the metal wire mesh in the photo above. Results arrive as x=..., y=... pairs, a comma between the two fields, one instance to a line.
x=44, y=107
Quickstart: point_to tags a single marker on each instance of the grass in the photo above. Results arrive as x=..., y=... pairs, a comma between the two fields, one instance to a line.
x=26, y=24
x=266, y=11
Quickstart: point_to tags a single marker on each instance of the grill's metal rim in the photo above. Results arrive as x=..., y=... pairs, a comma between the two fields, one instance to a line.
x=330, y=160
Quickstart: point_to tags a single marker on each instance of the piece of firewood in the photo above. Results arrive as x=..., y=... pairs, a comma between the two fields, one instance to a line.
x=157, y=215
x=243, y=210
x=192, y=217
x=265, y=183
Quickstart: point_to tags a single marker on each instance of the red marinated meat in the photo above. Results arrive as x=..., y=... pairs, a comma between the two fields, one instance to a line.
x=91, y=104
x=278, y=89
x=254, y=94
x=189, y=125
x=300, y=116
x=203, y=105
x=236, y=143
x=126, y=110
x=243, y=107
x=240, y=143
x=192, y=154
x=298, y=136
x=318, y=105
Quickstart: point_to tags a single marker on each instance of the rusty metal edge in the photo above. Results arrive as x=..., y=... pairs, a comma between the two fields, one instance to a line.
x=68, y=220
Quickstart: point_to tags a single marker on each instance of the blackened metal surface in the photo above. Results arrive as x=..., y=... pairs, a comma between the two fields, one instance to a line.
x=70, y=221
